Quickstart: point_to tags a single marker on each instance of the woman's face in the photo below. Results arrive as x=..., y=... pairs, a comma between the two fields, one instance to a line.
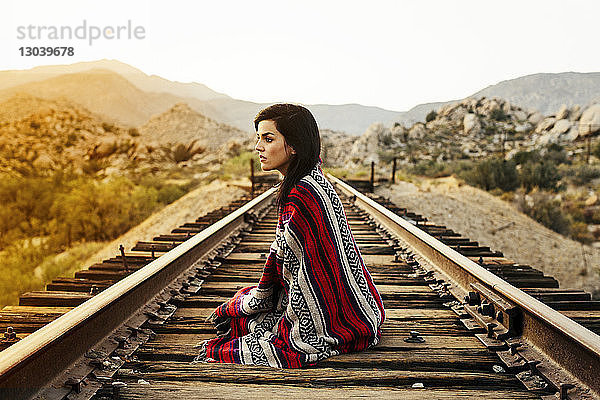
x=273, y=151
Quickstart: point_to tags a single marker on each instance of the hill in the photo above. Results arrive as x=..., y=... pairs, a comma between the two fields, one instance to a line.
x=181, y=124
x=130, y=97
x=544, y=92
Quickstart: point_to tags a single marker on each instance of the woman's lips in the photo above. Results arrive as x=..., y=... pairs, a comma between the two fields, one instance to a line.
x=262, y=158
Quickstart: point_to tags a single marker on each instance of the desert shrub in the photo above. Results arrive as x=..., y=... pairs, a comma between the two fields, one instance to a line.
x=581, y=174
x=181, y=152
x=498, y=114
x=492, y=173
x=133, y=132
x=26, y=266
x=102, y=210
x=239, y=166
x=431, y=169
x=580, y=232
x=596, y=150
x=431, y=116
x=108, y=127
x=543, y=175
x=522, y=157
x=548, y=212
x=169, y=193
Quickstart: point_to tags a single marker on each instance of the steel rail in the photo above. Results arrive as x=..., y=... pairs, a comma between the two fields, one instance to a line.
x=573, y=347
x=31, y=364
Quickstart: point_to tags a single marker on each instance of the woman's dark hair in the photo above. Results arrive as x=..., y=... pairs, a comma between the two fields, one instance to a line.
x=298, y=126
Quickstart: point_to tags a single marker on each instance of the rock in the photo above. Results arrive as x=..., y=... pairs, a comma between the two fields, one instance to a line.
x=572, y=135
x=590, y=201
x=563, y=112
x=366, y=147
x=545, y=125
x=561, y=126
x=417, y=131
x=104, y=149
x=548, y=137
x=43, y=162
x=471, y=124
x=535, y=118
x=520, y=115
x=589, y=123
x=575, y=113
x=524, y=127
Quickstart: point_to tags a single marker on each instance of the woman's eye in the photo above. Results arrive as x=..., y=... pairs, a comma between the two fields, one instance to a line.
x=268, y=140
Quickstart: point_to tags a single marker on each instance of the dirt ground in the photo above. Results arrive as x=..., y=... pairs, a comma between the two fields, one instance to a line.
x=186, y=209
x=493, y=222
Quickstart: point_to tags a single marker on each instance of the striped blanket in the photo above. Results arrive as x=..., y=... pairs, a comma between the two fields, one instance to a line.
x=315, y=298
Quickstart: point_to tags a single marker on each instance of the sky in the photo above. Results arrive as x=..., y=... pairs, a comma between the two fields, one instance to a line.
x=389, y=54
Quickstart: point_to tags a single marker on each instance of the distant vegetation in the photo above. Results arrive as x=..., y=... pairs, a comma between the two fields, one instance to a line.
x=42, y=216
x=536, y=181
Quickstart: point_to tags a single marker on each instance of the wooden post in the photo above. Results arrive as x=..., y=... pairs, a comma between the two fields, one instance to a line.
x=589, y=149
x=372, y=176
x=252, y=177
x=394, y=171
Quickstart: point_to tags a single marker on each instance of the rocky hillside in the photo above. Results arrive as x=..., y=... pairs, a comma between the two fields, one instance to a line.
x=38, y=134
x=128, y=96
x=543, y=92
x=181, y=124
x=473, y=128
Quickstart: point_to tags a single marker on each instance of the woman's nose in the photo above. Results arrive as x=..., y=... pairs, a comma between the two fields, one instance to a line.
x=258, y=146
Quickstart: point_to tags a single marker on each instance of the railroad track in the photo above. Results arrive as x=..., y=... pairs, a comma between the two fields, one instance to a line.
x=457, y=326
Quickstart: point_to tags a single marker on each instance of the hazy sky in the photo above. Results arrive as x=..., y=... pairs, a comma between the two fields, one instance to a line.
x=391, y=54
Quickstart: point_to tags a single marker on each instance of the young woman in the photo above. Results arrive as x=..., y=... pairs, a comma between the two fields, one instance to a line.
x=315, y=298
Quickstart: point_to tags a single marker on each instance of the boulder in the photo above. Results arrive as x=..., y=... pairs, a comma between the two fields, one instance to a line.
x=43, y=162
x=471, y=124
x=547, y=138
x=524, y=127
x=563, y=112
x=575, y=113
x=520, y=115
x=572, y=135
x=417, y=131
x=535, y=118
x=366, y=147
x=561, y=126
x=545, y=125
x=589, y=123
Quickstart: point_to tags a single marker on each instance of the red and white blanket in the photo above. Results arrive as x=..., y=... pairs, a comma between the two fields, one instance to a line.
x=315, y=298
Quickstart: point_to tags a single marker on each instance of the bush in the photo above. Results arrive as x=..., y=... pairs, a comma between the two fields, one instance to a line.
x=431, y=169
x=493, y=173
x=582, y=174
x=239, y=166
x=169, y=193
x=431, y=116
x=579, y=232
x=549, y=213
x=543, y=175
x=526, y=156
x=498, y=114
x=182, y=152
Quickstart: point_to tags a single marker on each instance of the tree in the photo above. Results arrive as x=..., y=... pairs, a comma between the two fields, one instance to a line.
x=431, y=116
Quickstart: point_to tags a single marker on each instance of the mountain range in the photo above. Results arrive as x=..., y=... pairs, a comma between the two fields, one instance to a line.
x=123, y=94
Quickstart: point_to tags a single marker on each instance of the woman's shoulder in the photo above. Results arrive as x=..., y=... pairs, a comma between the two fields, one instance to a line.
x=313, y=187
